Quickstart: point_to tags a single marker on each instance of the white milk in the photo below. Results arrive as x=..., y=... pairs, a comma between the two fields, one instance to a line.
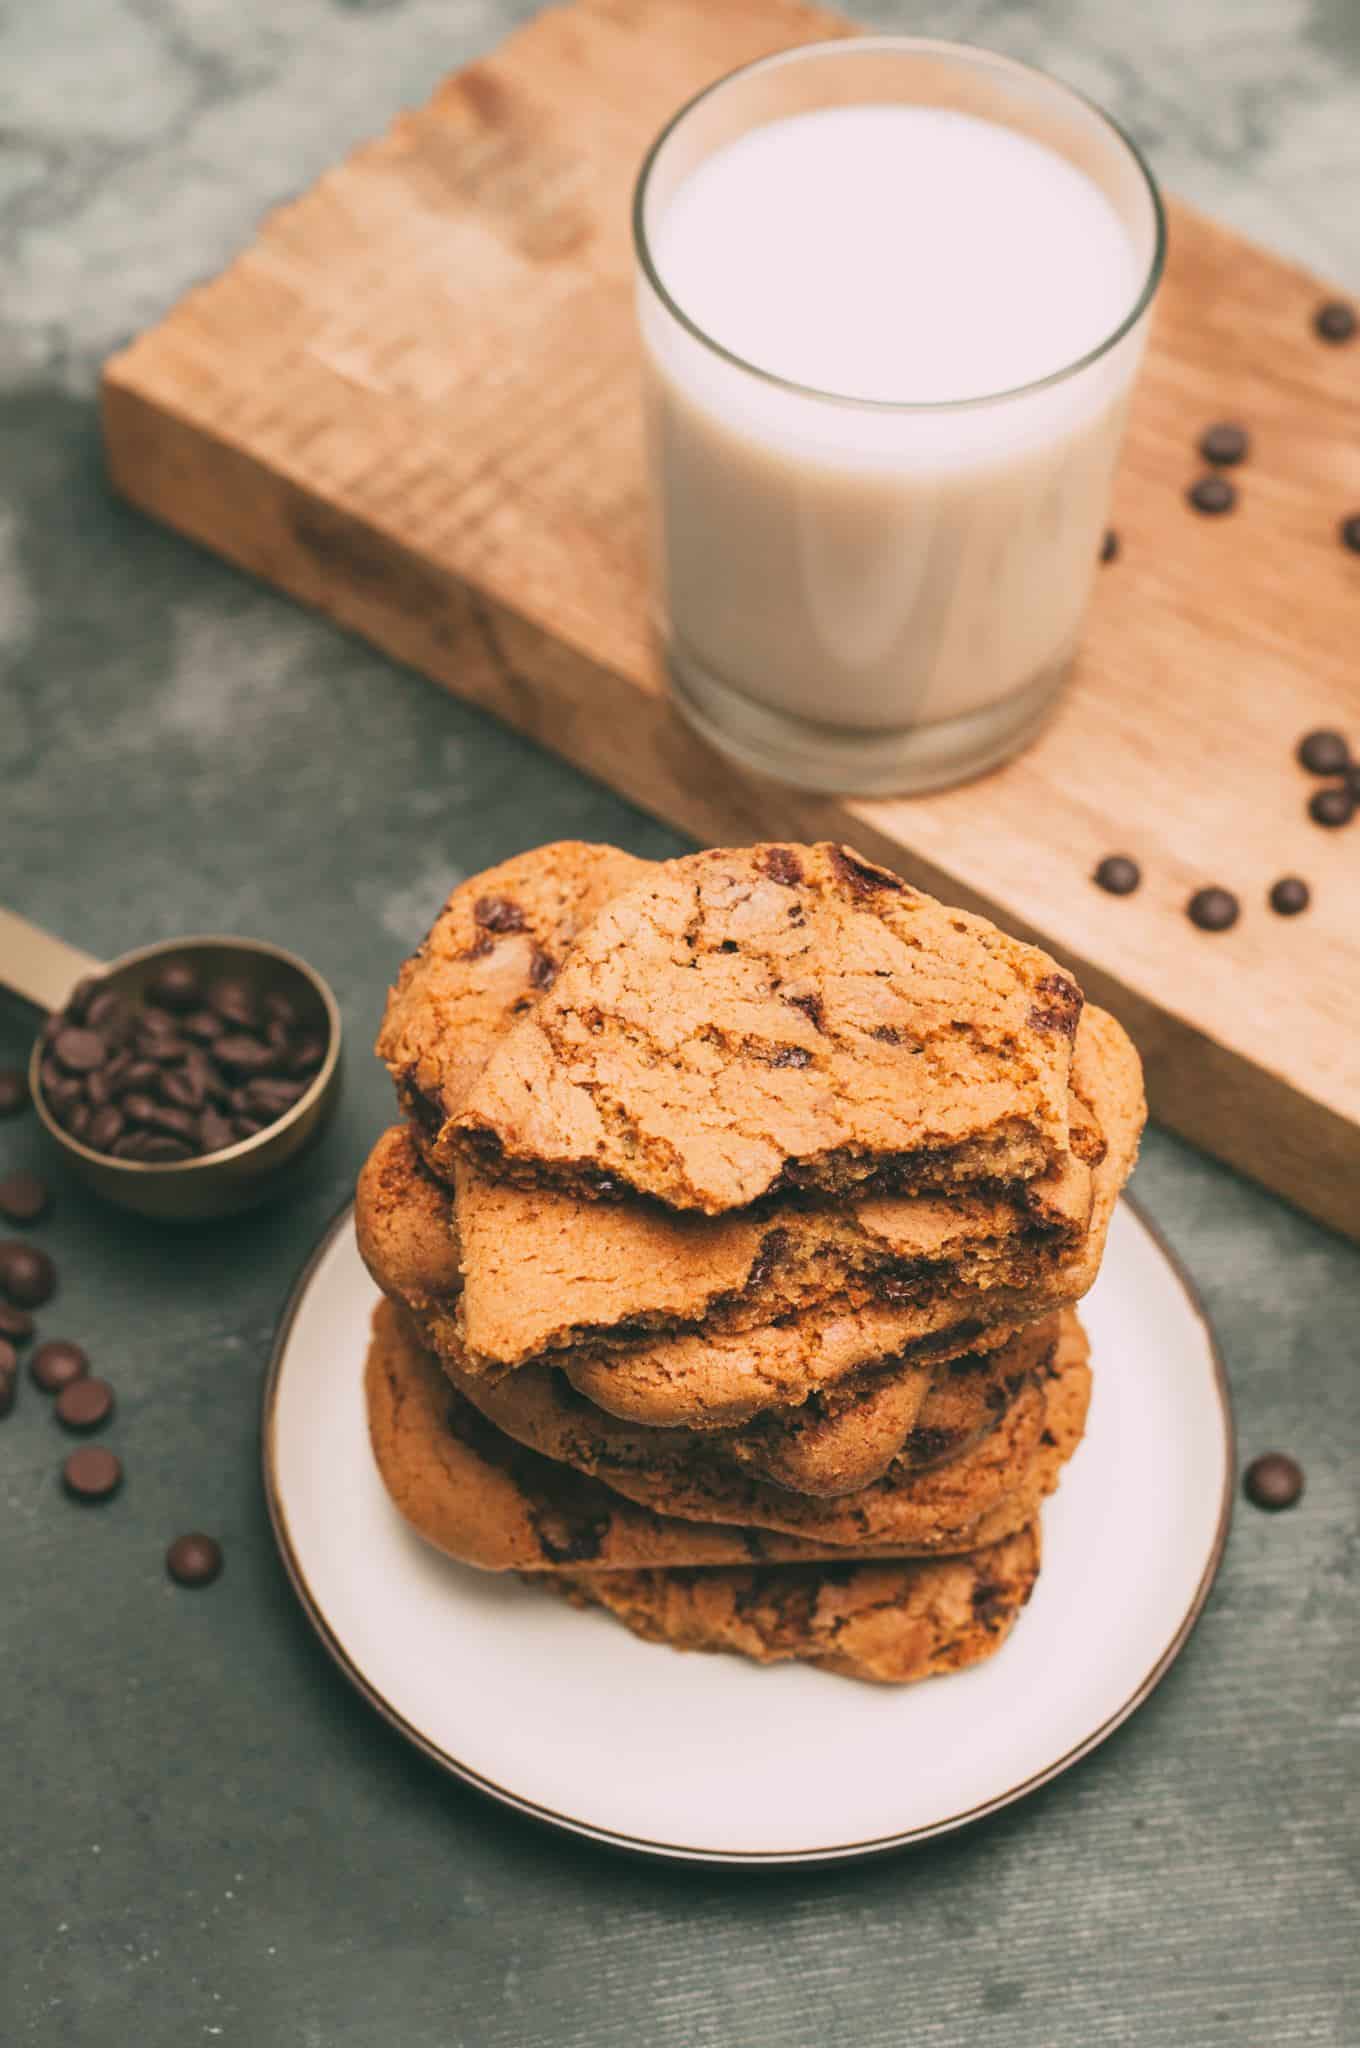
x=873, y=567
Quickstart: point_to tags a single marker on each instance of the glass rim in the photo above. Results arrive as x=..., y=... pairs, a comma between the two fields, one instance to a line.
x=971, y=54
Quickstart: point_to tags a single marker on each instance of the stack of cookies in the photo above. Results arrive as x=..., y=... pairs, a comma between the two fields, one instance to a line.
x=730, y=1245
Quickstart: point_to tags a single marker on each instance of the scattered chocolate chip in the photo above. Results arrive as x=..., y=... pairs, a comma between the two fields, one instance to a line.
x=1212, y=494
x=84, y=1404
x=1273, y=1481
x=27, y=1275
x=1213, y=910
x=1334, y=320
x=1118, y=874
x=194, y=1560
x=1332, y=806
x=92, y=1473
x=498, y=914
x=1224, y=443
x=1289, y=896
x=13, y=1091
x=1109, y=547
x=1349, y=531
x=1323, y=752
x=78, y=1050
x=236, y=1002
x=24, y=1198
x=16, y=1325
x=57, y=1364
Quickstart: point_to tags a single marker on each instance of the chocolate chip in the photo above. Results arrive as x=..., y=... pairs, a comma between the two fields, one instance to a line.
x=1109, y=547
x=16, y=1325
x=861, y=876
x=78, y=1050
x=158, y=1148
x=1224, y=443
x=1118, y=874
x=1213, y=910
x=138, y=1075
x=784, y=1056
x=92, y=1473
x=194, y=1560
x=132, y=1145
x=1212, y=494
x=177, y=1123
x=782, y=865
x=203, y=1026
x=309, y=1055
x=9, y=1387
x=139, y=1108
x=1289, y=896
x=1334, y=320
x=214, y=1132
x=182, y=1087
x=270, y=1097
x=58, y=1088
x=1349, y=531
x=236, y=1002
x=13, y=1091
x=542, y=970
x=248, y=1127
x=157, y=1024
x=27, y=1275
x=1323, y=752
x=1332, y=806
x=243, y=1055
x=105, y=1125
x=24, y=1198
x=498, y=914
x=109, y=1015
x=77, y=1120
x=281, y=1009
x=1273, y=1481
x=176, y=987
x=57, y=1364
x=811, y=1006
x=1061, y=1010
x=85, y=1404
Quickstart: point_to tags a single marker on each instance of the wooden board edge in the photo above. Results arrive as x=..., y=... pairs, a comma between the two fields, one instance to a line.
x=483, y=651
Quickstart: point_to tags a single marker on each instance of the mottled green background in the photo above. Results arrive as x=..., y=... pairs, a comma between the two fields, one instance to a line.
x=203, y=1837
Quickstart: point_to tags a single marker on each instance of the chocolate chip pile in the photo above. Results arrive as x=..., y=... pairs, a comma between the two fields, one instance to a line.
x=81, y=1402
x=1213, y=909
x=189, y=1070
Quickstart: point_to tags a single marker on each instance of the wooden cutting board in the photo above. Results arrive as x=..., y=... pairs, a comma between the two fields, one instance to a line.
x=412, y=403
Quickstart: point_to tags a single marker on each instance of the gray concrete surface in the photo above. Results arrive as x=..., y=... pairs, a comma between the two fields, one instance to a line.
x=203, y=1837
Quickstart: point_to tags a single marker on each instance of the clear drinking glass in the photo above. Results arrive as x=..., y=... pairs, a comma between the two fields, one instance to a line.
x=865, y=595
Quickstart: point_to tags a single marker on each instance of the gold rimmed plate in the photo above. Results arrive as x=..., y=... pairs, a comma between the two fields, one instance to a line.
x=567, y=1717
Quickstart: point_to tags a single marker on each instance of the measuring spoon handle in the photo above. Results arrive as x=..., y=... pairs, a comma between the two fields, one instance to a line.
x=38, y=967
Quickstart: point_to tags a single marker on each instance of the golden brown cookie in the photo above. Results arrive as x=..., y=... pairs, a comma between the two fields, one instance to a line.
x=879, y=1436
x=720, y=1380
x=491, y=952
x=890, y=1623
x=480, y=1497
x=745, y=1021
x=920, y=1511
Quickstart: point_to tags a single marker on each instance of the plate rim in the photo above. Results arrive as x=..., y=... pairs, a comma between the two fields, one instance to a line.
x=640, y=1845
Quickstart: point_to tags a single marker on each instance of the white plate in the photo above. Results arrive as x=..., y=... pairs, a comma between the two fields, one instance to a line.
x=567, y=1716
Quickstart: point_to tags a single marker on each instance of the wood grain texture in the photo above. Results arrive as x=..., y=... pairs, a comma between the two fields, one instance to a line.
x=412, y=403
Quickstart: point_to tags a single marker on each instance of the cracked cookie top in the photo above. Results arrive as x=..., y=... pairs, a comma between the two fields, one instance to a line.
x=774, y=1017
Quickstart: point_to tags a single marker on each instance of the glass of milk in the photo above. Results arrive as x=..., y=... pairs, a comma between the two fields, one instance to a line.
x=893, y=295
